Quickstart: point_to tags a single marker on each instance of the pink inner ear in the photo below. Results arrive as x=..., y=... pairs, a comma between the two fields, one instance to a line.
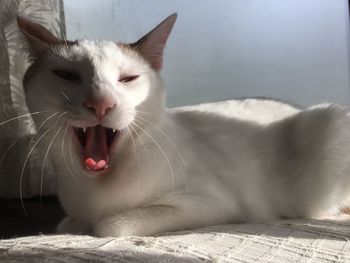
x=151, y=46
x=152, y=51
x=157, y=65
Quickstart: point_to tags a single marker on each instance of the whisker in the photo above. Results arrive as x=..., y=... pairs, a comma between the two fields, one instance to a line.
x=140, y=138
x=64, y=95
x=9, y=149
x=164, y=154
x=22, y=116
x=136, y=156
x=70, y=149
x=131, y=138
x=138, y=118
x=144, y=146
x=41, y=125
x=24, y=165
x=146, y=113
x=64, y=156
x=182, y=166
x=59, y=117
x=43, y=167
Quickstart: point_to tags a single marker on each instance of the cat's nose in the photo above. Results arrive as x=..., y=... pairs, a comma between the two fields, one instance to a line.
x=100, y=106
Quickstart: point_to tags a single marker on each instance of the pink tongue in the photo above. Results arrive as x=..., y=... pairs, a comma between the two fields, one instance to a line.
x=92, y=165
x=95, y=149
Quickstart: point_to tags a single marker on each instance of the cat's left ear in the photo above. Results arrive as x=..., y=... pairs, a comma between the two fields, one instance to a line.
x=39, y=38
x=151, y=46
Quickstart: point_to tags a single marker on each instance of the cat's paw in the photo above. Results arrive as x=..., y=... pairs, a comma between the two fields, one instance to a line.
x=69, y=226
x=114, y=227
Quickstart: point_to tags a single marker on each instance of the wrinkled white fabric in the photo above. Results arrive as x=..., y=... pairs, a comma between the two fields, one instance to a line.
x=283, y=241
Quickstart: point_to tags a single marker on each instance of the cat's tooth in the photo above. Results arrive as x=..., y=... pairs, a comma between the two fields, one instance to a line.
x=84, y=129
x=114, y=130
x=106, y=167
x=88, y=168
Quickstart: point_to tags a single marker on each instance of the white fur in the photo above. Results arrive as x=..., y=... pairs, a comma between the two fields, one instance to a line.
x=192, y=166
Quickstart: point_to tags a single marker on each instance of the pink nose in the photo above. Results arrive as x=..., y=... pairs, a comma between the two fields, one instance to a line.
x=100, y=106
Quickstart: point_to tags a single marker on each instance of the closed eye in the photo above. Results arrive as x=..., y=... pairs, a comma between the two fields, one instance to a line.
x=124, y=79
x=67, y=75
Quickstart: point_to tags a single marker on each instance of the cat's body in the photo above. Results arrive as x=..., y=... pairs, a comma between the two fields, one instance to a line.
x=253, y=173
x=183, y=168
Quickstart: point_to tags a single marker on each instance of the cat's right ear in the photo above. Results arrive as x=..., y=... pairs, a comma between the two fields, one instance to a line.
x=38, y=37
x=151, y=46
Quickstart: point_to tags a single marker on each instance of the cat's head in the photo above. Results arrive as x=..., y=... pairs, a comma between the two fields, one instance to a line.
x=94, y=89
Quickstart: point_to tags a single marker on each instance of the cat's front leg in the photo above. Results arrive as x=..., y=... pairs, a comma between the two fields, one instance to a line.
x=143, y=222
x=70, y=226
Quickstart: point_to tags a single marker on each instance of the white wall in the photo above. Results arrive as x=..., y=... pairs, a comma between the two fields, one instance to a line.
x=295, y=50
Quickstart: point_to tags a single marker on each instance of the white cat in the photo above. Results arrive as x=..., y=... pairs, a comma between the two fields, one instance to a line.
x=126, y=165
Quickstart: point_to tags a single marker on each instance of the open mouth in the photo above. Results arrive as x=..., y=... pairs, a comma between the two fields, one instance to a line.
x=96, y=142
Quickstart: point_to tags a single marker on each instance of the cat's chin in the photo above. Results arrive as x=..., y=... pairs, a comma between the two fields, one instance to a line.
x=96, y=143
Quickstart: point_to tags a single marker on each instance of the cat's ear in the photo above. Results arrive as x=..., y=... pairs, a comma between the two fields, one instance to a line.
x=39, y=38
x=151, y=46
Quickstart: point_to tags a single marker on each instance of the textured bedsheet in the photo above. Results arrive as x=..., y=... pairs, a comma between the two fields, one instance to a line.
x=283, y=241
